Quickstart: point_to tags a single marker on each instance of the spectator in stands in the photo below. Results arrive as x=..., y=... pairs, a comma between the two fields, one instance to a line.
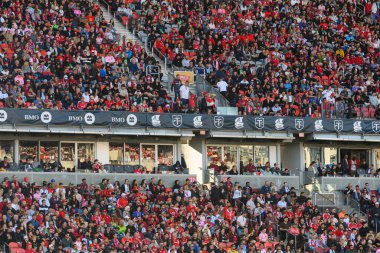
x=4, y=164
x=265, y=188
x=354, y=165
x=349, y=191
x=184, y=92
x=177, y=168
x=250, y=167
x=97, y=167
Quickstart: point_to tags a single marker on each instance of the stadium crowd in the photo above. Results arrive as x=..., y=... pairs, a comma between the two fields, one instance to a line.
x=149, y=216
x=65, y=55
x=296, y=58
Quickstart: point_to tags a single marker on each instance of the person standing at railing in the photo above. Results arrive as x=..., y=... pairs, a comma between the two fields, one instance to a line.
x=375, y=215
x=354, y=165
x=345, y=165
x=176, y=85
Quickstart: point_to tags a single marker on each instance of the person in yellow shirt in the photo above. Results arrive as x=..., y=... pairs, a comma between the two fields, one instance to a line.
x=340, y=53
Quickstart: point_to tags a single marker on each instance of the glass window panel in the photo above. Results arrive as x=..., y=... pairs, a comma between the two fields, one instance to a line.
x=132, y=154
x=116, y=153
x=68, y=156
x=49, y=150
x=312, y=154
x=261, y=155
x=330, y=155
x=148, y=157
x=230, y=156
x=28, y=150
x=86, y=155
x=246, y=153
x=214, y=155
x=165, y=154
x=7, y=150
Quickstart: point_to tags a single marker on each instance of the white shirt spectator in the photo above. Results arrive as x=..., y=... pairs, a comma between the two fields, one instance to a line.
x=251, y=204
x=327, y=93
x=187, y=193
x=222, y=85
x=184, y=92
x=282, y=203
x=47, y=201
x=185, y=63
x=237, y=194
x=241, y=221
x=3, y=95
x=86, y=97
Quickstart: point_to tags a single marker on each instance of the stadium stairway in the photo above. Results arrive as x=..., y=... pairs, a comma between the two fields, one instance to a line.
x=199, y=86
x=122, y=30
x=321, y=195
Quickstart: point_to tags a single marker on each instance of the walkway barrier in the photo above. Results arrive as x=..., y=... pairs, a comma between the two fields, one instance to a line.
x=94, y=178
x=342, y=182
x=342, y=110
x=258, y=181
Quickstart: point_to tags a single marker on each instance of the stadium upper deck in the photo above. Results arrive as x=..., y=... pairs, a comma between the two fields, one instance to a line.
x=296, y=58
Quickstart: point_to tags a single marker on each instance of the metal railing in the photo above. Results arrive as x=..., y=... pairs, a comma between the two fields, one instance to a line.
x=202, y=85
x=5, y=247
x=344, y=110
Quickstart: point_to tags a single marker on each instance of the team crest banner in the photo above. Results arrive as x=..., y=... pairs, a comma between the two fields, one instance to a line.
x=187, y=121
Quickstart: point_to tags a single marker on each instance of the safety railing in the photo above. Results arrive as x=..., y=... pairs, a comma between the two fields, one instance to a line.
x=349, y=111
x=202, y=85
x=5, y=247
x=164, y=58
x=356, y=206
x=153, y=70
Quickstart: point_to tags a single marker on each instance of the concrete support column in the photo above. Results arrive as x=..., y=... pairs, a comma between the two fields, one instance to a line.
x=195, y=156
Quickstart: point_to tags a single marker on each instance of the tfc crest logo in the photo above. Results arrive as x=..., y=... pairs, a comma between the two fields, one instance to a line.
x=177, y=120
x=239, y=124
x=3, y=115
x=318, y=125
x=376, y=126
x=156, y=120
x=89, y=118
x=299, y=124
x=259, y=123
x=218, y=121
x=46, y=117
x=338, y=125
x=131, y=119
x=358, y=127
x=197, y=121
x=279, y=124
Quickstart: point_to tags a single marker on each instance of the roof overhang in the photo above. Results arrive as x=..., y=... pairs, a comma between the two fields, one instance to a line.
x=96, y=130
x=345, y=137
x=252, y=135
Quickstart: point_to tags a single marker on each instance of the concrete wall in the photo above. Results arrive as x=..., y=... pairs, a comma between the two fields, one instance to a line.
x=292, y=156
x=273, y=155
x=193, y=152
x=102, y=152
x=258, y=181
x=76, y=178
x=341, y=182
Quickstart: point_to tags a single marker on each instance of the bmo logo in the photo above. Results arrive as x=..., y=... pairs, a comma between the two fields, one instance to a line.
x=31, y=117
x=88, y=118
